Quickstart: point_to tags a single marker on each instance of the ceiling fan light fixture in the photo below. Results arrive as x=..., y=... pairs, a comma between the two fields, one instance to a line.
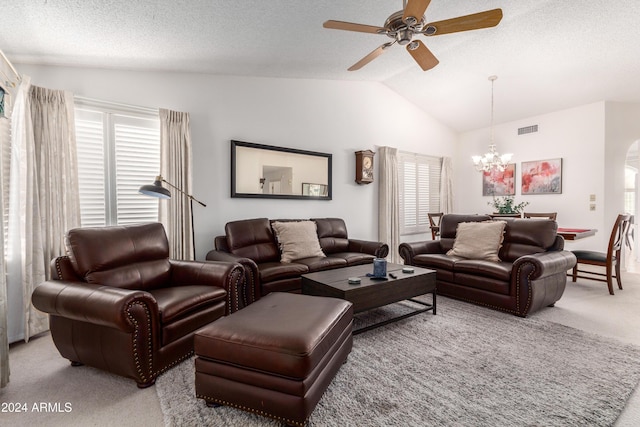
x=413, y=45
x=404, y=36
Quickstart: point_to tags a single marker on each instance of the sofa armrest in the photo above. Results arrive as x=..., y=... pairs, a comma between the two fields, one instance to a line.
x=546, y=263
x=378, y=249
x=558, y=245
x=227, y=275
x=220, y=243
x=98, y=304
x=409, y=250
x=251, y=291
x=62, y=269
x=539, y=280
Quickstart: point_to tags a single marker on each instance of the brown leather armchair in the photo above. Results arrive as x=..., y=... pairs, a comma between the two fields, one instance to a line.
x=118, y=303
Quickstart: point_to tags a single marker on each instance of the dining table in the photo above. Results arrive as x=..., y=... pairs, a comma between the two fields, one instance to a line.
x=576, y=233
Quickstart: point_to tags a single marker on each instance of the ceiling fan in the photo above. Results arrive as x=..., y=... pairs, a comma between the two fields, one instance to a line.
x=403, y=25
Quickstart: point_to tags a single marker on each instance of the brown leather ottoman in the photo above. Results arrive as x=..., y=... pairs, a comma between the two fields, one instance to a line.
x=275, y=357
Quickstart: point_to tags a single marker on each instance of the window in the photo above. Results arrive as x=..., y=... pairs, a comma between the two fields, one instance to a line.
x=5, y=158
x=419, y=178
x=118, y=151
x=630, y=177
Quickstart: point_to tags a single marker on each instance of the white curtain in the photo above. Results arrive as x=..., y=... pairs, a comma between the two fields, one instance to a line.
x=44, y=201
x=175, y=167
x=4, y=336
x=446, y=186
x=389, y=201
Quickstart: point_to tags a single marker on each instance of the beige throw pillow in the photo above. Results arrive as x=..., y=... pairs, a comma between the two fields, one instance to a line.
x=297, y=240
x=478, y=240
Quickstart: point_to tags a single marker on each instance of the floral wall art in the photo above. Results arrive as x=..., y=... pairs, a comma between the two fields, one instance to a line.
x=496, y=183
x=542, y=177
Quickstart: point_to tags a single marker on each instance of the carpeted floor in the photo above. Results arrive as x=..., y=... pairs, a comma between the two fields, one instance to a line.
x=40, y=375
x=466, y=366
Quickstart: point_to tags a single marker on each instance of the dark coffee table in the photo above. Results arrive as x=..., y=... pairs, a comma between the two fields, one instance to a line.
x=373, y=293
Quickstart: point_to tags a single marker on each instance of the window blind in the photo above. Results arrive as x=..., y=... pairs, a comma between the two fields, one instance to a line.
x=117, y=153
x=137, y=163
x=91, y=168
x=420, y=191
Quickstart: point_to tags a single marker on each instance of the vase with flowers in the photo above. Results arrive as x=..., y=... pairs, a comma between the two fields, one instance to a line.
x=507, y=205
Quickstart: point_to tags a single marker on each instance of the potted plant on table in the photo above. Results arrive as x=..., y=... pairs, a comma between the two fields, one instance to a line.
x=507, y=205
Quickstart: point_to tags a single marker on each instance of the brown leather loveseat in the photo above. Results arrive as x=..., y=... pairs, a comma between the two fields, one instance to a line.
x=531, y=272
x=118, y=303
x=253, y=243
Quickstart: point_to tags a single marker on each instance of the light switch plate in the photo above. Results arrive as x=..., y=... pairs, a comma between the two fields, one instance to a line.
x=592, y=198
x=592, y=207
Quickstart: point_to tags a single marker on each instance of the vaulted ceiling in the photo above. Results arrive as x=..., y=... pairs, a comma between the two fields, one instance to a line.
x=548, y=54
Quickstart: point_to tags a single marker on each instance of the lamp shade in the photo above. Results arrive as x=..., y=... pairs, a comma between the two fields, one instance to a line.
x=155, y=190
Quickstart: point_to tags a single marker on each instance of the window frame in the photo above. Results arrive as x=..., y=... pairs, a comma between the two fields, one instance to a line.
x=424, y=200
x=114, y=115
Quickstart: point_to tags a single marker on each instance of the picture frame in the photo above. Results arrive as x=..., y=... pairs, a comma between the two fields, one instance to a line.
x=499, y=183
x=541, y=177
x=270, y=172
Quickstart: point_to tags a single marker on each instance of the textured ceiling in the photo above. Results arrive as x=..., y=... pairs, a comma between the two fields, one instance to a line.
x=548, y=54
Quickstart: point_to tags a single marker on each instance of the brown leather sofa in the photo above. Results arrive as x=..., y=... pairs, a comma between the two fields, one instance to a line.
x=252, y=243
x=530, y=275
x=118, y=303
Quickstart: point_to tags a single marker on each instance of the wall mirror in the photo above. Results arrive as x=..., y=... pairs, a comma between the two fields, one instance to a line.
x=265, y=171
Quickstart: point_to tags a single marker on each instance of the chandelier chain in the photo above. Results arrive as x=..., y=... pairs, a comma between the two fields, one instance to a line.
x=493, y=79
x=491, y=161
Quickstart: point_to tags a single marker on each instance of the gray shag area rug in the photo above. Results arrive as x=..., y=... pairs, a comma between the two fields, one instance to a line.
x=466, y=366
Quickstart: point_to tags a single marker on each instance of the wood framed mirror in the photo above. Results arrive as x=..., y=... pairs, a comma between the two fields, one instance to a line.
x=265, y=171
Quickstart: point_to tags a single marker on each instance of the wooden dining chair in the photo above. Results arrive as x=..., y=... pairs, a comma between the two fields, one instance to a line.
x=434, y=224
x=548, y=215
x=630, y=236
x=609, y=260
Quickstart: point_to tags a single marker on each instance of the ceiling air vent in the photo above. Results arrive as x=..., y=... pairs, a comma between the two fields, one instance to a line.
x=528, y=129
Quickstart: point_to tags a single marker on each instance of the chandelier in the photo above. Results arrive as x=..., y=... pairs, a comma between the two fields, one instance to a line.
x=492, y=160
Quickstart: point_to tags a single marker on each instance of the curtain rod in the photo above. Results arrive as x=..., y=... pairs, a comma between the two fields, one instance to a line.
x=115, y=105
x=6, y=61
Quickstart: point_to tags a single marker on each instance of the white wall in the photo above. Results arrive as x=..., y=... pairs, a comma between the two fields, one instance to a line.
x=576, y=135
x=334, y=117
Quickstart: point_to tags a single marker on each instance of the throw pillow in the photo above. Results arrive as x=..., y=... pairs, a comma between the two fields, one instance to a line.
x=297, y=240
x=478, y=240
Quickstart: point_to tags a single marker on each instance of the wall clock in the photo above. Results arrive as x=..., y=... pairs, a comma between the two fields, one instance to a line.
x=364, y=166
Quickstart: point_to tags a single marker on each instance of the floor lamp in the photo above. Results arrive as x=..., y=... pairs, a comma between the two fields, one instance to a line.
x=157, y=190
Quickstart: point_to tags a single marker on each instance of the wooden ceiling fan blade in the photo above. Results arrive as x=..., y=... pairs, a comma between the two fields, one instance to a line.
x=415, y=9
x=350, y=26
x=423, y=56
x=489, y=18
x=370, y=57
